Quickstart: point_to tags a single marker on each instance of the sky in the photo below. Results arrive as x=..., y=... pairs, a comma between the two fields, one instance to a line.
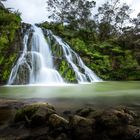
x=34, y=11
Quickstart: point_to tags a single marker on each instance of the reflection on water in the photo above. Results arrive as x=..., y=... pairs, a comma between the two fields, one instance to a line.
x=70, y=96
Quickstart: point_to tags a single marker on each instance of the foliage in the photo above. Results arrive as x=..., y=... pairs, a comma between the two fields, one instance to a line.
x=9, y=24
x=75, y=12
x=107, y=45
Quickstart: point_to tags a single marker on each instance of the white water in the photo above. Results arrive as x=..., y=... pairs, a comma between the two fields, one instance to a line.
x=41, y=70
x=88, y=74
x=20, y=61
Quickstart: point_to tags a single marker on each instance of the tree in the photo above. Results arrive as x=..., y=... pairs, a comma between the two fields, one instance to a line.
x=111, y=17
x=75, y=12
x=122, y=16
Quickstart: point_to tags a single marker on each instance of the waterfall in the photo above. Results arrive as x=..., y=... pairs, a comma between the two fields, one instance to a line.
x=88, y=75
x=42, y=62
x=35, y=64
x=40, y=68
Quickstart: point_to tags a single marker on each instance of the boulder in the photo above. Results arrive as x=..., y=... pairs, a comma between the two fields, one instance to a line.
x=57, y=121
x=34, y=114
x=125, y=117
x=84, y=112
x=81, y=128
x=62, y=136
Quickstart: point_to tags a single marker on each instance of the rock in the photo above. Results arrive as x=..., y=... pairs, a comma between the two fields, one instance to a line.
x=62, y=136
x=23, y=74
x=25, y=113
x=125, y=117
x=78, y=120
x=57, y=121
x=39, y=118
x=126, y=110
x=6, y=114
x=82, y=128
x=137, y=121
x=107, y=120
x=114, y=118
x=34, y=114
x=84, y=112
x=95, y=114
x=124, y=133
x=132, y=132
x=41, y=115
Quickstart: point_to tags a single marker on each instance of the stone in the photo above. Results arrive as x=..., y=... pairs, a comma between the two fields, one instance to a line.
x=38, y=118
x=62, y=136
x=25, y=113
x=84, y=112
x=6, y=114
x=57, y=121
x=126, y=110
x=114, y=118
x=34, y=114
x=125, y=117
x=132, y=132
x=78, y=120
x=95, y=114
x=82, y=128
x=107, y=120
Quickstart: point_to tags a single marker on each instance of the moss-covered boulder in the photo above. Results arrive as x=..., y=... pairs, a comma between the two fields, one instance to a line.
x=34, y=114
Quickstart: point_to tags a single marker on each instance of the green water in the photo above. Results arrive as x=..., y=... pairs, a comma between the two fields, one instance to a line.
x=101, y=93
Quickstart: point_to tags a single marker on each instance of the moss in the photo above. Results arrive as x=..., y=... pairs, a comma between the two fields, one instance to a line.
x=25, y=113
x=66, y=72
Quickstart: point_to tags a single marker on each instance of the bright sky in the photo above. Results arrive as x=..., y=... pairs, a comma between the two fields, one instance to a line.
x=34, y=11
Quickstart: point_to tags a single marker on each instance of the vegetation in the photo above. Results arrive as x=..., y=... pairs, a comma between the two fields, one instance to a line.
x=9, y=25
x=109, y=43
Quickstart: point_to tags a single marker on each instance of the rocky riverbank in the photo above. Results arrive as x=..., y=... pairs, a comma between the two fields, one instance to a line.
x=41, y=121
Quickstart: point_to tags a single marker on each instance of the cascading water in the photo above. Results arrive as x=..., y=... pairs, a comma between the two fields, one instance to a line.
x=87, y=75
x=35, y=65
x=40, y=67
x=42, y=62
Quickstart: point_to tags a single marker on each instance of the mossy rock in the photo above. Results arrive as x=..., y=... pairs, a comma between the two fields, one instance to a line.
x=34, y=114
